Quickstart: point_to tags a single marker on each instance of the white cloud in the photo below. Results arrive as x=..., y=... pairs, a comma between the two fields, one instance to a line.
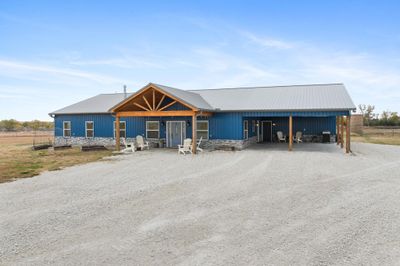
x=267, y=42
x=15, y=68
x=122, y=62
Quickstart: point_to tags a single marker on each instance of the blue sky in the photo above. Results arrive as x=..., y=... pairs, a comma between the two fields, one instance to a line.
x=54, y=53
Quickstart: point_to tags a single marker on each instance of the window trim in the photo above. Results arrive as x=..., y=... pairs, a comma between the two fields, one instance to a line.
x=120, y=122
x=245, y=131
x=69, y=129
x=158, y=130
x=86, y=129
x=203, y=130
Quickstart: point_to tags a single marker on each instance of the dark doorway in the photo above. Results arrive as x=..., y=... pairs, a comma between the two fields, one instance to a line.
x=266, y=131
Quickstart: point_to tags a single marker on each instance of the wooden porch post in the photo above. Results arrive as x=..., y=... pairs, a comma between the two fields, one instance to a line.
x=347, y=133
x=337, y=131
x=341, y=131
x=194, y=133
x=290, y=132
x=117, y=137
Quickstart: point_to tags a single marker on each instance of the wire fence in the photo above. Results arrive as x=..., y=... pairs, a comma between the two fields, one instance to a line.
x=33, y=137
x=382, y=131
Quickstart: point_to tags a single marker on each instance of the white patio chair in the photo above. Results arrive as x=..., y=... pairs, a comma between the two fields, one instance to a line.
x=299, y=137
x=129, y=146
x=198, y=145
x=186, y=147
x=280, y=136
x=141, y=143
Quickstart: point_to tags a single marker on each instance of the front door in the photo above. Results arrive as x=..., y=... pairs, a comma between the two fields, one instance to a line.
x=176, y=133
x=266, y=131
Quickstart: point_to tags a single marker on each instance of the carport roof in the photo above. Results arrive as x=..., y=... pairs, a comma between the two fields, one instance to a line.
x=312, y=97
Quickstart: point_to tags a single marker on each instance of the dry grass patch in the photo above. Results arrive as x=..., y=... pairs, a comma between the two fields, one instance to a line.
x=17, y=160
x=378, y=136
x=377, y=139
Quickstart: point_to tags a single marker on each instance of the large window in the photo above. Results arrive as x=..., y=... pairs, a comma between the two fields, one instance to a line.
x=202, y=129
x=122, y=129
x=67, y=128
x=89, y=129
x=246, y=129
x=152, y=129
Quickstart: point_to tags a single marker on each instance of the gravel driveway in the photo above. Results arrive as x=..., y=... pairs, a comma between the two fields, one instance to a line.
x=263, y=205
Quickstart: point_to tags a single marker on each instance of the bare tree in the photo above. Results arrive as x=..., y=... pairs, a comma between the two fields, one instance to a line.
x=369, y=113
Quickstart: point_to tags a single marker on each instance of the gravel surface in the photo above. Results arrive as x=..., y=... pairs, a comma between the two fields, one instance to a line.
x=264, y=205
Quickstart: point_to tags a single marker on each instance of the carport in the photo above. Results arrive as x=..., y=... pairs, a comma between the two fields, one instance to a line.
x=312, y=125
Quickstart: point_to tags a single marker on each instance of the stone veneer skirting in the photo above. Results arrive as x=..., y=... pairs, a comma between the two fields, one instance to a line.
x=227, y=144
x=212, y=144
x=206, y=144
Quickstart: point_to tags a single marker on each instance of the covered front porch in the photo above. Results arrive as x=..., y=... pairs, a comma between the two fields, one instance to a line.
x=167, y=118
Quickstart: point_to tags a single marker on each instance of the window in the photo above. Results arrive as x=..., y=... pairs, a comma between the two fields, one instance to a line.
x=122, y=129
x=89, y=129
x=202, y=129
x=152, y=129
x=246, y=129
x=67, y=128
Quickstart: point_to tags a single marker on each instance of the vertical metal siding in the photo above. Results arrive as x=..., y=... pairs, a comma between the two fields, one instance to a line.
x=222, y=125
x=308, y=125
x=103, y=124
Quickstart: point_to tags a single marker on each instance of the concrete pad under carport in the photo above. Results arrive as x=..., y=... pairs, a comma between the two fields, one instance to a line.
x=299, y=147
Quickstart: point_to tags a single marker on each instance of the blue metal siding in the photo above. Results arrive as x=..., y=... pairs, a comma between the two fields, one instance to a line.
x=308, y=125
x=223, y=125
x=103, y=124
x=295, y=114
x=226, y=126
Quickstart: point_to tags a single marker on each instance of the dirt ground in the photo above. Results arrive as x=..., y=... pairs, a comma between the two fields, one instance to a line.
x=18, y=160
x=264, y=205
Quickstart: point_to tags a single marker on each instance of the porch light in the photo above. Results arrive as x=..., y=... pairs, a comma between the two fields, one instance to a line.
x=273, y=124
x=188, y=123
x=162, y=123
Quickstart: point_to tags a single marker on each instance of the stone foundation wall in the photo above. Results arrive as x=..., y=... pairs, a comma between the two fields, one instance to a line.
x=212, y=144
x=227, y=144
x=82, y=141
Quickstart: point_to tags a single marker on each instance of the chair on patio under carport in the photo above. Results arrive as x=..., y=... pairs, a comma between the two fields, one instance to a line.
x=299, y=136
x=280, y=136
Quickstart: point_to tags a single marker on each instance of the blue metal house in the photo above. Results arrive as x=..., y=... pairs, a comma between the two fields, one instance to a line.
x=228, y=117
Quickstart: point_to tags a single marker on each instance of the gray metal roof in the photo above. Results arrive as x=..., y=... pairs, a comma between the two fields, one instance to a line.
x=280, y=98
x=97, y=104
x=313, y=97
x=192, y=98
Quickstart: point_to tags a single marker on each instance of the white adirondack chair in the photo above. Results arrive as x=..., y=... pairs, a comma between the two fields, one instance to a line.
x=141, y=143
x=280, y=136
x=198, y=145
x=299, y=136
x=186, y=147
x=129, y=146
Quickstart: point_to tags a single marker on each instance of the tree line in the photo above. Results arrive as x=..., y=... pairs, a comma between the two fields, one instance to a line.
x=14, y=125
x=386, y=118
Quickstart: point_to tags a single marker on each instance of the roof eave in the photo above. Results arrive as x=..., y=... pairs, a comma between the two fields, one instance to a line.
x=285, y=110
